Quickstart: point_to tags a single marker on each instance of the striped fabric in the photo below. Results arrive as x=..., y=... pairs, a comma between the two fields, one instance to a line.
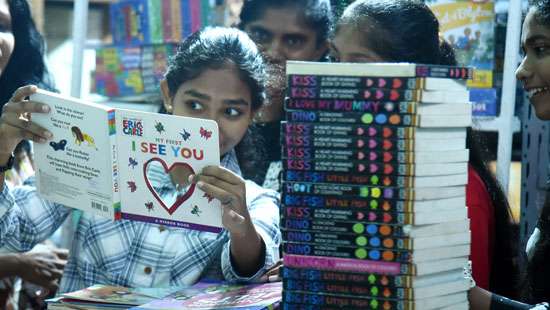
x=135, y=254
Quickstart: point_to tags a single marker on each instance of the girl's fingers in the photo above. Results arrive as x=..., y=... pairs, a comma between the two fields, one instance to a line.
x=23, y=92
x=26, y=106
x=222, y=195
x=214, y=181
x=222, y=174
x=29, y=129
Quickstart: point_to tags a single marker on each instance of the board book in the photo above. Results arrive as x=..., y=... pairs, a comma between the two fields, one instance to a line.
x=121, y=164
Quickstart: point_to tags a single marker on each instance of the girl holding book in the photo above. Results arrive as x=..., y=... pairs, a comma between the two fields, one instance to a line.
x=407, y=31
x=284, y=30
x=217, y=74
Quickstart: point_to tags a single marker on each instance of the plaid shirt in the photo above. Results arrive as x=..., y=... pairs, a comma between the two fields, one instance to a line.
x=135, y=254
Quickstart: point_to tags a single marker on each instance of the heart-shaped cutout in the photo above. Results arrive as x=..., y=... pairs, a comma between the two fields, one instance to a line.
x=367, y=94
x=387, y=144
x=394, y=95
x=397, y=83
x=178, y=173
x=372, y=156
x=388, y=169
x=372, y=131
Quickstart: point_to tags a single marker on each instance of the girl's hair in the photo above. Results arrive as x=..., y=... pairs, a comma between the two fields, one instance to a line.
x=408, y=31
x=214, y=48
x=537, y=274
x=26, y=65
x=317, y=13
x=399, y=31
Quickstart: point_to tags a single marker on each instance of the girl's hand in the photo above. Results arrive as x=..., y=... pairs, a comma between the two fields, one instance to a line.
x=16, y=123
x=229, y=188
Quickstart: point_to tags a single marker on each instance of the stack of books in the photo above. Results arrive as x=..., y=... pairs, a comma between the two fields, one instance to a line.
x=375, y=167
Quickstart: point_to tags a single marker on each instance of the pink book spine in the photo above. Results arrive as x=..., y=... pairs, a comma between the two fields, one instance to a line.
x=341, y=264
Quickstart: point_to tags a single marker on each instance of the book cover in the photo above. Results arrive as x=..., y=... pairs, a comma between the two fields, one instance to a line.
x=127, y=164
x=469, y=26
x=220, y=296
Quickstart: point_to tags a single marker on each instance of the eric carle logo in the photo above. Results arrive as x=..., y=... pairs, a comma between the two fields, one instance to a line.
x=132, y=127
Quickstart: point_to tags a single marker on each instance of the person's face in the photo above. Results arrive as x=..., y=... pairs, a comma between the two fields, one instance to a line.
x=7, y=40
x=219, y=95
x=534, y=69
x=347, y=46
x=282, y=35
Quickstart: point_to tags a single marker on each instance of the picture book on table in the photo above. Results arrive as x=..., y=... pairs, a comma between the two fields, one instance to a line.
x=204, y=295
x=124, y=164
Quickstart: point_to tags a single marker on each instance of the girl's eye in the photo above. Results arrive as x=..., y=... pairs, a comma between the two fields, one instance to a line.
x=539, y=50
x=194, y=105
x=232, y=112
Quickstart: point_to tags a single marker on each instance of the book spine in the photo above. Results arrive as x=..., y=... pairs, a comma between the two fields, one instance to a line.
x=344, y=189
x=359, y=82
x=374, y=94
x=349, y=302
x=176, y=21
x=346, y=277
x=111, y=123
x=344, y=105
x=347, y=240
x=463, y=73
x=167, y=20
x=357, y=143
x=359, y=167
x=349, y=265
x=362, y=289
x=339, y=178
x=348, y=154
x=394, y=119
x=348, y=215
x=195, y=6
x=155, y=20
x=322, y=201
x=339, y=227
x=186, y=17
x=371, y=131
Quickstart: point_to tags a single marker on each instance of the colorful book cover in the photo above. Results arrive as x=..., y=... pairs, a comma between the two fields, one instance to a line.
x=186, y=18
x=204, y=296
x=167, y=20
x=195, y=6
x=135, y=166
x=469, y=26
x=484, y=101
x=118, y=295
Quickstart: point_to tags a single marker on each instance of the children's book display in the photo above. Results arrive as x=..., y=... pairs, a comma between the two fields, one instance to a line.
x=373, y=196
x=124, y=164
x=201, y=296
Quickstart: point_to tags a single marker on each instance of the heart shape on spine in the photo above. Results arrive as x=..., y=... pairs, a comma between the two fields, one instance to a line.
x=179, y=168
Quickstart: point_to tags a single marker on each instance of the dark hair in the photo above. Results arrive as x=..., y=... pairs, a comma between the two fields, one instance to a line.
x=214, y=48
x=26, y=65
x=408, y=31
x=399, y=31
x=317, y=13
x=542, y=11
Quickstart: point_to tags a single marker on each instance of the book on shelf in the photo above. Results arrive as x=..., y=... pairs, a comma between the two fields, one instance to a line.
x=118, y=163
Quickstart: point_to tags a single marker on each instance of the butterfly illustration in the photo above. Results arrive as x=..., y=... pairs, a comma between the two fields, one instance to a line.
x=132, y=186
x=210, y=198
x=196, y=211
x=149, y=206
x=132, y=162
x=159, y=127
x=185, y=135
x=57, y=146
x=206, y=133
